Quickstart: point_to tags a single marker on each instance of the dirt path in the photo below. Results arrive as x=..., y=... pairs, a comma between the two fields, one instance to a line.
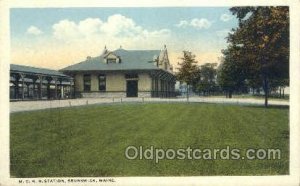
x=38, y=105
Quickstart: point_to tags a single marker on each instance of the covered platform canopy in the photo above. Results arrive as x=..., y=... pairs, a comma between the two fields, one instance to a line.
x=31, y=83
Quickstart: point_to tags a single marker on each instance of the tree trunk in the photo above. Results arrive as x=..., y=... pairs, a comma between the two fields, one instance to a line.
x=187, y=93
x=230, y=94
x=266, y=90
x=280, y=92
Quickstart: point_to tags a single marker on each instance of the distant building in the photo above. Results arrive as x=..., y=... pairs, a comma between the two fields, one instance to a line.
x=124, y=73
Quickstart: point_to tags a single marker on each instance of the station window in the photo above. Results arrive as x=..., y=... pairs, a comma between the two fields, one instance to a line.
x=111, y=60
x=87, y=82
x=102, y=82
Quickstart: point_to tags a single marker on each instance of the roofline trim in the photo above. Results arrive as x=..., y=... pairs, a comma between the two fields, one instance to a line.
x=23, y=72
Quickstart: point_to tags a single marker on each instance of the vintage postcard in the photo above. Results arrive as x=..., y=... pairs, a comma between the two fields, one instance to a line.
x=145, y=93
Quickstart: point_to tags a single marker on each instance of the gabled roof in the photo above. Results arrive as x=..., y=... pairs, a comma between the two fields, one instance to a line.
x=34, y=70
x=130, y=60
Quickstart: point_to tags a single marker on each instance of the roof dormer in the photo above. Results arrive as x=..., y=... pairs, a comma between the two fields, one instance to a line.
x=111, y=58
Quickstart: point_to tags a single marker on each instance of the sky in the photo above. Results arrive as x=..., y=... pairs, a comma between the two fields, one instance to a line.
x=58, y=37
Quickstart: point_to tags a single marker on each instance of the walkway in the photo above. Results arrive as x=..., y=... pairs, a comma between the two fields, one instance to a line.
x=38, y=105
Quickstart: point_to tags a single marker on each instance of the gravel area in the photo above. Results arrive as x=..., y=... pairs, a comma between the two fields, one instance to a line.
x=19, y=106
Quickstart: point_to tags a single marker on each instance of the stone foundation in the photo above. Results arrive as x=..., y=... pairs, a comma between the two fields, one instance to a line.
x=111, y=94
x=103, y=94
x=144, y=94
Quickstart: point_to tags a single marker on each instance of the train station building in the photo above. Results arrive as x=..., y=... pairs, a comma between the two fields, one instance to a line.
x=118, y=73
x=124, y=73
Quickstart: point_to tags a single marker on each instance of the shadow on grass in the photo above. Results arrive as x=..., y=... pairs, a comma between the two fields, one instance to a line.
x=269, y=106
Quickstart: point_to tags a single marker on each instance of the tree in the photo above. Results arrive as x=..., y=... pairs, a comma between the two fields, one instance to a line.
x=231, y=72
x=205, y=80
x=278, y=84
x=187, y=69
x=263, y=40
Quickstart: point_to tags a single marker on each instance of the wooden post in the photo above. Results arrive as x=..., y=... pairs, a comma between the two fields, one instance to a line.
x=17, y=78
x=40, y=93
x=48, y=87
x=23, y=83
x=55, y=94
x=35, y=94
x=73, y=88
x=27, y=86
x=33, y=90
x=61, y=89
x=16, y=83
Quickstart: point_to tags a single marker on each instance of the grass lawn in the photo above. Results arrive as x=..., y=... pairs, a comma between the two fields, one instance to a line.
x=91, y=140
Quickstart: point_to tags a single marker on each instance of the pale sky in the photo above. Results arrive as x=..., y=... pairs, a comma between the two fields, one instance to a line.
x=58, y=37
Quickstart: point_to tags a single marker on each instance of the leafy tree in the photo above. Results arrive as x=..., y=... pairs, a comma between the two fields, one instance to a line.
x=231, y=72
x=187, y=69
x=262, y=39
x=278, y=84
x=205, y=80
